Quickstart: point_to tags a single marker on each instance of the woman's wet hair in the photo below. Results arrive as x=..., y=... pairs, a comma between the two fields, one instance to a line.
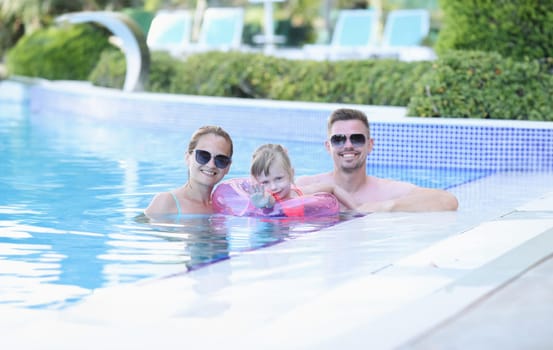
x=209, y=129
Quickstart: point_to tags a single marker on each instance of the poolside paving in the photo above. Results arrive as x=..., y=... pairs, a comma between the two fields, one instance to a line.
x=517, y=316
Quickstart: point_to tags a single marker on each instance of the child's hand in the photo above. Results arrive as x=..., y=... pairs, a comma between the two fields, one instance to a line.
x=259, y=198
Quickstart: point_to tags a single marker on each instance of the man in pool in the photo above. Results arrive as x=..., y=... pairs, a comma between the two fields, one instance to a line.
x=349, y=143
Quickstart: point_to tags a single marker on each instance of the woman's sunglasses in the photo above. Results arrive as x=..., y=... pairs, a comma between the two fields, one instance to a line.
x=203, y=157
x=339, y=140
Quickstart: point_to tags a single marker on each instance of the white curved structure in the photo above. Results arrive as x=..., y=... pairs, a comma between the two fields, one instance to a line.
x=133, y=42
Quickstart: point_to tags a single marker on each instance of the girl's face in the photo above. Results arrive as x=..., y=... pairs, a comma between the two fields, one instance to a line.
x=278, y=182
x=209, y=147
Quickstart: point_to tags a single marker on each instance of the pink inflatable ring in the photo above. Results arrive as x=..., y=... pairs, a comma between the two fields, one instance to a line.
x=232, y=197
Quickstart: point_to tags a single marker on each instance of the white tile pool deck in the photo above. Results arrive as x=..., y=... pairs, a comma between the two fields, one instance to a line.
x=485, y=287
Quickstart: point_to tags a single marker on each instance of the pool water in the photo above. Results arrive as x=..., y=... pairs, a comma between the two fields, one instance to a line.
x=72, y=193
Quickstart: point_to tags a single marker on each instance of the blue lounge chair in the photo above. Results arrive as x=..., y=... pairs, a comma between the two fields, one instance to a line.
x=170, y=31
x=221, y=29
x=355, y=28
x=354, y=36
x=406, y=28
x=404, y=32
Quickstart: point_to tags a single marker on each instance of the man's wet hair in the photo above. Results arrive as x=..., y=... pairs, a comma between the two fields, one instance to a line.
x=347, y=114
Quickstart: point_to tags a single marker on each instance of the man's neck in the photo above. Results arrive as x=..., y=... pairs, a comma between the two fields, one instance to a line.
x=351, y=182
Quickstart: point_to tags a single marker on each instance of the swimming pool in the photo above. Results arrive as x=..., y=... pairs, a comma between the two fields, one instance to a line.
x=73, y=188
x=80, y=165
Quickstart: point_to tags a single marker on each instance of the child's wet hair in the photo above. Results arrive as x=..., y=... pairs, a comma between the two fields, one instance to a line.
x=266, y=155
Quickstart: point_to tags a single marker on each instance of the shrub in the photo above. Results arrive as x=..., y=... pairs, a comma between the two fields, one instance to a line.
x=110, y=70
x=302, y=81
x=163, y=70
x=211, y=74
x=471, y=84
x=258, y=76
x=65, y=52
x=251, y=75
x=513, y=28
x=376, y=82
x=476, y=84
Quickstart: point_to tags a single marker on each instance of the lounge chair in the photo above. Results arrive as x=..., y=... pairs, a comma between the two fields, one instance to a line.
x=354, y=36
x=221, y=29
x=404, y=32
x=170, y=31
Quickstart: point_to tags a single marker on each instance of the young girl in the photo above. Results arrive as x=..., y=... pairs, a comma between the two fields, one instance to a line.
x=272, y=170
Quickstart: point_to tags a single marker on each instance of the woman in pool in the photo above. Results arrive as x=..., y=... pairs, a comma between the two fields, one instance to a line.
x=272, y=170
x=208, y=158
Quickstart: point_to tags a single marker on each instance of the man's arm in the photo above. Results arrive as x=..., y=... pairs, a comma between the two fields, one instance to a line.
x=307, y=180
x=345, y=198
x=419, y=199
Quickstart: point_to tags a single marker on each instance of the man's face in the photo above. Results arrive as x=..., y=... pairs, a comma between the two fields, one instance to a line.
x=349, y=145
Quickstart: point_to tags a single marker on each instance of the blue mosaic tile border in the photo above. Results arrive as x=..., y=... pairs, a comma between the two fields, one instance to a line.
x=399, y=140
x=464, y=146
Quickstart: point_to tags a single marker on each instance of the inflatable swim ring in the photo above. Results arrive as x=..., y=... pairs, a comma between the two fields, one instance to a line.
x=232, y=197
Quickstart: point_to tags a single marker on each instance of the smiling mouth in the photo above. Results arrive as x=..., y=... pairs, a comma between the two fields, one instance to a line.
x=208, y=172
x=276, y=195
x=348, y=155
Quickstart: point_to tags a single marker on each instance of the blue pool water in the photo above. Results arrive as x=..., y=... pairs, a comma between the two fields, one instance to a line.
x=72, y=190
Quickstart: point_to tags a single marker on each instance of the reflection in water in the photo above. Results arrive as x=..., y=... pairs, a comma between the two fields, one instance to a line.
x=48, y=267
x=205, y=239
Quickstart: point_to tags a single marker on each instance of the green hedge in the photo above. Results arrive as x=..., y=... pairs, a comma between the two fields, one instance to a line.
x=473, y=84
x=513, y=28
x=248, y=75
x=466, y=84
x=110, y=70
x=64, y=52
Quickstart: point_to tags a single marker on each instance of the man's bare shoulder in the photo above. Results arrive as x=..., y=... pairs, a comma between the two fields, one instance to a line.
x=390, y=183
x=314, y=179
x=377, y=188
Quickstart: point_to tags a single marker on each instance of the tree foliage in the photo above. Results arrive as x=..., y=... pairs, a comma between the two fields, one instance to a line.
x=514, y=28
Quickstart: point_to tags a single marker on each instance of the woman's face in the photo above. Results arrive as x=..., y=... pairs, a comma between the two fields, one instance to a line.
x=209, y=146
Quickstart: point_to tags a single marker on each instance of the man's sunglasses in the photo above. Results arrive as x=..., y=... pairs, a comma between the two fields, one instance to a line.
x=339, y=140
x=203, y=157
